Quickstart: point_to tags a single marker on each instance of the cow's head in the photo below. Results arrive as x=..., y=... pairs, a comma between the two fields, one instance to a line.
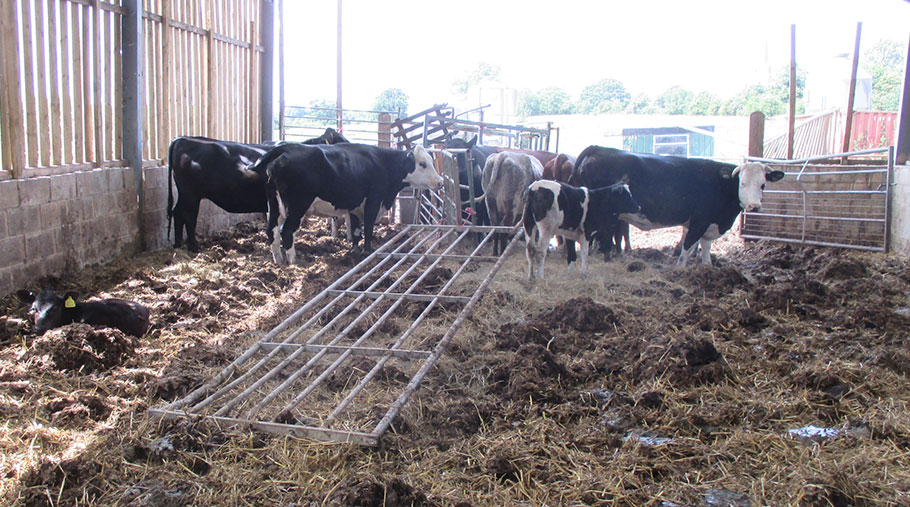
x=47, y=309
x=424, y=174
x=752, y=178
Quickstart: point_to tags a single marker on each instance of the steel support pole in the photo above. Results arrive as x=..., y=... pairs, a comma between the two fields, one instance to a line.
x=266, y=70
x=132, y=79
x=903, y=135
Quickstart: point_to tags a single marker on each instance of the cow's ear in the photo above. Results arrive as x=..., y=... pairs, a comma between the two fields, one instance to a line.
x=472, y=142
x=726, y=172
x=25, y=296
x=774, y=175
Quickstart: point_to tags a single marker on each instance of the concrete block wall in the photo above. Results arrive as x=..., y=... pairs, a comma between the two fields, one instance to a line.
x=900, y=211
x=53, y=225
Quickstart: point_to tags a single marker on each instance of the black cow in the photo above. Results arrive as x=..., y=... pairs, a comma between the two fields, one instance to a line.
x=348, y=176
x=479, y=156
x=575, y=213
x=703, y=195
x=50, y=311
x=204, y=168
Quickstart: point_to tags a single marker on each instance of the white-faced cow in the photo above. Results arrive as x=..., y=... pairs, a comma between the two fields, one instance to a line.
x=204, y=168
x=48, y=310
x=348, y=176
x=506, y=178
x=702, y=195
x=575, y=213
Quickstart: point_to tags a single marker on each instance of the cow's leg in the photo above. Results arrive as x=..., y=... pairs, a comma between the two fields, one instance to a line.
x=276, y=214
x=690, y=241
x=290, y=226
x=355, y=230
x=190, y=215
x=370, y=211
x=624, y=232
x=531, y=251
x=347, y=228
x=705, y=250
x=333, y=225
x=571, y=256
x=584, y=257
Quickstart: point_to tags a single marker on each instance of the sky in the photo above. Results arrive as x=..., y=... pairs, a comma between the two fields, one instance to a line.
x=423, y=47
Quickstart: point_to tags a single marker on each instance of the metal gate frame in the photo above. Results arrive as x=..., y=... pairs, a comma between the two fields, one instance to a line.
x=237, y=395
x=758, y=230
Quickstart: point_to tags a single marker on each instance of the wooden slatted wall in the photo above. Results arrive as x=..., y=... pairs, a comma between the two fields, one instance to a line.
x=60, y=80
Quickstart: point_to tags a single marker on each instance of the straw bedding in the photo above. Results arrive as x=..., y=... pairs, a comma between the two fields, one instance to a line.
x=643, y=384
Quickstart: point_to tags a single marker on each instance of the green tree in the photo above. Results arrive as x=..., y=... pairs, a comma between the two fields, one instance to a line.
x=704, y=103
x=546, y=101
x=675, y=100
x=322, y=110
x=484, y=71
x=781, y=85
x=639, y=104
x=885, y=61
x=756, y=98
x=604, y=96
x=392, y=99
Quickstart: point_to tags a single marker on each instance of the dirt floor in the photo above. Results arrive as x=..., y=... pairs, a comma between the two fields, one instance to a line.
x=779, y=376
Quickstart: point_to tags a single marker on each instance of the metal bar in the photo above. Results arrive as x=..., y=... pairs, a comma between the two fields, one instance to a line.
x=311, y=341
x=816, y=243
x=399, y=295
x=401, y=340
x=303, y=394
x=353, y=437
x=827, y=192
x=229, y=369
x=357, y=351
x=816, y=157
x=293, y=336
x=815, y=217
x=444, y=342
x=486, y=258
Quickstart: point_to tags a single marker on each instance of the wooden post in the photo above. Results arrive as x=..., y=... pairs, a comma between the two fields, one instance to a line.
x=97, y=89
x=338, y=106
x=164, y=103
x=385, y=130
x=903, y=133
x=281, y=70
x=9, y=32
x=251, y=76
x=792, y=119
x=265, y=70
x=132, y=80
x=756, y=134
x=849, y=126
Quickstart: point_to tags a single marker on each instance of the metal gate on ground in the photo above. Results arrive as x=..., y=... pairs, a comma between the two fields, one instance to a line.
x=342, y=366
x=840, y=200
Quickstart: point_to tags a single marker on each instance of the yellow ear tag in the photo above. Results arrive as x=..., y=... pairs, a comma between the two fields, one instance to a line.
x=69, y=303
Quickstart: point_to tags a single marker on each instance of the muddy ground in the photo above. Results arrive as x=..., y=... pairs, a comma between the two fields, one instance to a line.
x=643, y=384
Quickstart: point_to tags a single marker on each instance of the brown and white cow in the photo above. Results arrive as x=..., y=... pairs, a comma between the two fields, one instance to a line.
x=559, y=169
x=575, y=213
x=506, y=177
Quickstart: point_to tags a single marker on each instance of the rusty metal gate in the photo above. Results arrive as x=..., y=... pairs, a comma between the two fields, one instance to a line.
x=343, y=365
x=840, y=200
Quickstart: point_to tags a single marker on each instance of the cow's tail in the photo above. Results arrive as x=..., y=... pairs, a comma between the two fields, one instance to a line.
x=574, y=179
x=170, y=191
x=493, y=163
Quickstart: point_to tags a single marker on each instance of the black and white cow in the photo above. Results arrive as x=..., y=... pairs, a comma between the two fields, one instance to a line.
x=348, y=176
x=506, y=178
x=49, y=311
x=204, y=168
x=575, y=213
x=702, y=195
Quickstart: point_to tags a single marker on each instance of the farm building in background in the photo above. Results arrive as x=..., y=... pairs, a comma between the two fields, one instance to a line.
x=678, y=141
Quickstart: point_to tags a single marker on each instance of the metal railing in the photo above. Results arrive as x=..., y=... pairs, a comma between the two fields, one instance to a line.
x=844, y=205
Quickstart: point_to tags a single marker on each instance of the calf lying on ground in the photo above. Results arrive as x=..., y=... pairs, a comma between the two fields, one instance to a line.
x=50, y=311
x=576, y=213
